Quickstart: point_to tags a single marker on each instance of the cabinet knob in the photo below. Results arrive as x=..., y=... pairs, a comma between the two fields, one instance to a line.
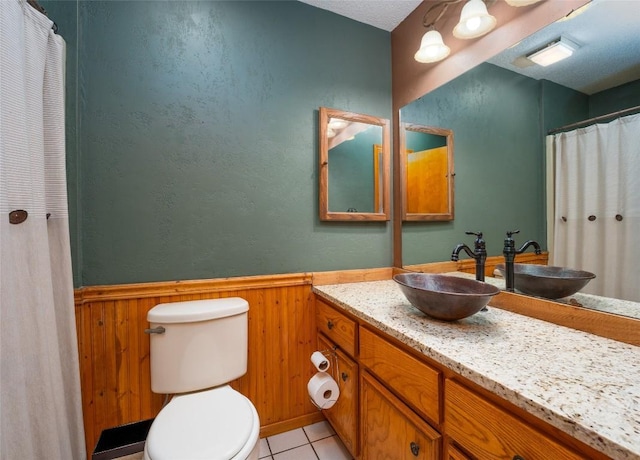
x=415, y=449
x=329, y=324
x=344, y=376
x=518, y=457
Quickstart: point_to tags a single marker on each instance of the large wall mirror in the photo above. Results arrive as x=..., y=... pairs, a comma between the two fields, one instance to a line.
x=354, y=166
x=501, y=115
x=426, y=173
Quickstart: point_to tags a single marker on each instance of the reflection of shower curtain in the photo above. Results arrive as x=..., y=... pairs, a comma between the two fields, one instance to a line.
x=597, y=205
x=40, y=406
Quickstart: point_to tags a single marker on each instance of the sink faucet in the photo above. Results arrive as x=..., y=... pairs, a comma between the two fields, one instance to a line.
x=479, y=254
x=510, y=253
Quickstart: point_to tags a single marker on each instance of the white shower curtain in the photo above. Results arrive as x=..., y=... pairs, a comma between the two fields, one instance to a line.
x=597, y=205
x=40, y=403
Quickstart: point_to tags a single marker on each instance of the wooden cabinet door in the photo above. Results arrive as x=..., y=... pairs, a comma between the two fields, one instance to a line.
x=343, y=416
x=390, y=430
x=489, y=432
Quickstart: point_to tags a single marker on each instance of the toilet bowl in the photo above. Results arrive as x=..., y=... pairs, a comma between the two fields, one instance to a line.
x=218, y=424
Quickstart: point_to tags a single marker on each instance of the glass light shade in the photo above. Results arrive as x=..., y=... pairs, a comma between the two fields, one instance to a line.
x=521, y=2
x=475, y=21
x=432, y=48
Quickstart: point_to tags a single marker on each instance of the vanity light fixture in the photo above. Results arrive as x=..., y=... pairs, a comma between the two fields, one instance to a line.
x=553, y=52
x=432, y=48
x=475, y=21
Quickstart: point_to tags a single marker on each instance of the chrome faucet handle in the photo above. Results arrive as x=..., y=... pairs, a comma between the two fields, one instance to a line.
x=478, y=234
x=512, y=232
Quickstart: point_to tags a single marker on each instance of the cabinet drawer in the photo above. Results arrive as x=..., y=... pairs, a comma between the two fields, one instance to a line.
x=489, y=432
x=340, y=329
x=416, y=382
x=344, y=414
x=390, y=430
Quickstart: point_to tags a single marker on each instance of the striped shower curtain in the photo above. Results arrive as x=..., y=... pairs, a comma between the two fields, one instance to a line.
x=596, y=219
x=40, y=403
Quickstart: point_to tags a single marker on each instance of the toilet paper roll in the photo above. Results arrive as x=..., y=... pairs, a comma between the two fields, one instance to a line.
x=319, y=361
x=323, y=390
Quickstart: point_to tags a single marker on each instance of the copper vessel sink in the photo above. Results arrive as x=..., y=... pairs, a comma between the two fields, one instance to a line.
x=448, y=298
x=547, y=281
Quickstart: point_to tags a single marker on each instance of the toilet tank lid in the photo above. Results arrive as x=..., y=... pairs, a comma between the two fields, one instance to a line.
x=197, y=310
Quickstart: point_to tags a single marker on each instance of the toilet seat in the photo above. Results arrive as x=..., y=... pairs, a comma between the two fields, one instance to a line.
x=217, y=424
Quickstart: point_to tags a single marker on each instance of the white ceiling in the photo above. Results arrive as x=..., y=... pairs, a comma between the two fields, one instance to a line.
x=383, y=14
x=608, y=32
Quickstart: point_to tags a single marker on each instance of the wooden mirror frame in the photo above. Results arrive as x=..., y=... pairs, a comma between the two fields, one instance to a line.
x=325, y=114
x=448, y=134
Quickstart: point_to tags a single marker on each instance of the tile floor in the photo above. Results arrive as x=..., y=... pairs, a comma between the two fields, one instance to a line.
x=312, y=442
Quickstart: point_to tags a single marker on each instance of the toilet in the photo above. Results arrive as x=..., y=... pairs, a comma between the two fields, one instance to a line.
x=196, y=349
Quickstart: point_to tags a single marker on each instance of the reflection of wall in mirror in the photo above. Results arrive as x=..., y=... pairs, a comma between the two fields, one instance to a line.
x=500, y=119
x=351, y=173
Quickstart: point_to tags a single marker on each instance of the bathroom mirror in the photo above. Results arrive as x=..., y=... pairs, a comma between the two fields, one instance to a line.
x=500, y=119
x=426, y=172
x=354, y=171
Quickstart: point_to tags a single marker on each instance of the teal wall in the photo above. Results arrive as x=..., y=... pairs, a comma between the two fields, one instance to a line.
x=418, y=141
x=495, y=117
x=197, y=138
x=561, y=106
x=618, y=98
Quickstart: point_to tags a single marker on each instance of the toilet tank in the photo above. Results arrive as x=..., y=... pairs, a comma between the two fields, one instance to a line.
x=204, y=344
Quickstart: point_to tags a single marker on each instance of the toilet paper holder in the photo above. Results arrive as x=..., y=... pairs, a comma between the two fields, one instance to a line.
x=332, y=356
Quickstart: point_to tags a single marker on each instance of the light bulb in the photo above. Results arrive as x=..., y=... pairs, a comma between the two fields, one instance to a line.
x=473, y=23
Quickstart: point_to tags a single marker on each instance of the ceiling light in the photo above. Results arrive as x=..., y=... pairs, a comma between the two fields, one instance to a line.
x=553, y=52
x=521, y=2
x=475, y=21
x=432, y=48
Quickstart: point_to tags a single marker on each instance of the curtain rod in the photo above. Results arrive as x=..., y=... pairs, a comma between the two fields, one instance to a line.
x=590, y=121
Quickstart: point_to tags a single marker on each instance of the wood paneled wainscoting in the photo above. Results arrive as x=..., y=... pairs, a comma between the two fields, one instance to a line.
x=114, y=350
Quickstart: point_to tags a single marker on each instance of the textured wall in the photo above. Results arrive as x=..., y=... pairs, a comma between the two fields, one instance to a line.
x=198, y=128
x=495, y=118
x=614, y=99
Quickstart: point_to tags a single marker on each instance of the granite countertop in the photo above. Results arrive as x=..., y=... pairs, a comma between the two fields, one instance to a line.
x=585, y=385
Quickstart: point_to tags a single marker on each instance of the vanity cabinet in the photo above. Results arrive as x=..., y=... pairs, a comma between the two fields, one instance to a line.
x=390, y=429
x=406, y=406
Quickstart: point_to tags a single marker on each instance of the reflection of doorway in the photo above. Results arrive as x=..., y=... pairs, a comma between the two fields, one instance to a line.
x=426, y=191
